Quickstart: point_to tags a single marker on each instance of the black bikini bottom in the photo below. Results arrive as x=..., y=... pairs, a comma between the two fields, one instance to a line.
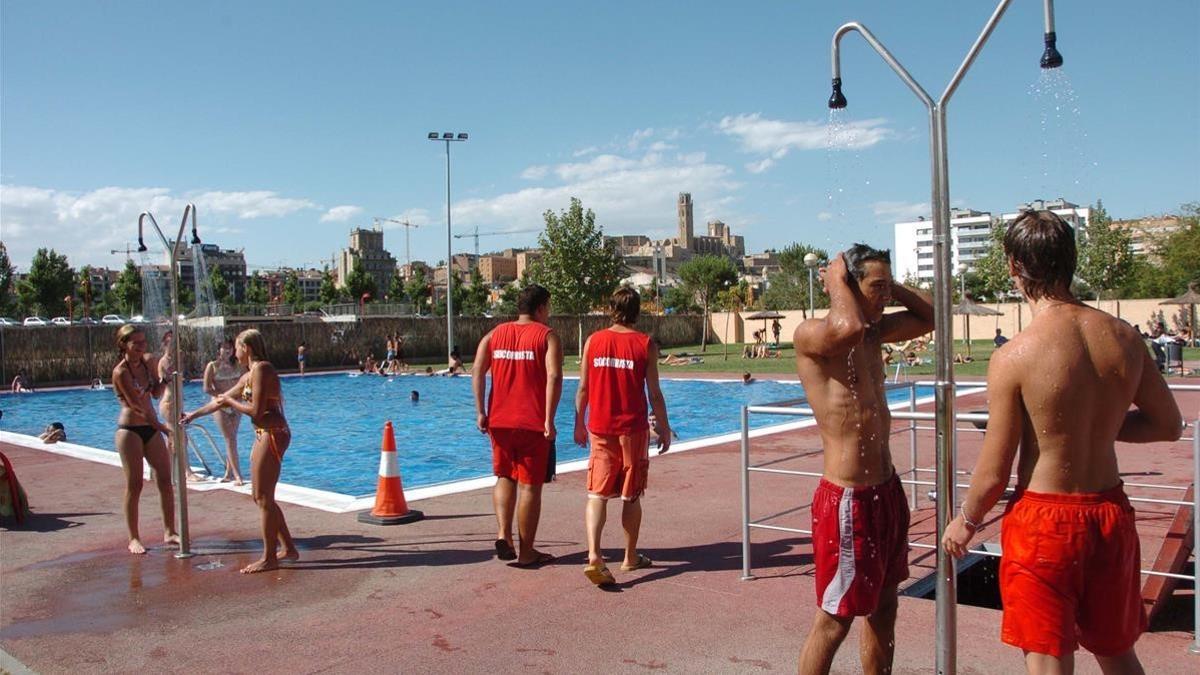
x=145, y=431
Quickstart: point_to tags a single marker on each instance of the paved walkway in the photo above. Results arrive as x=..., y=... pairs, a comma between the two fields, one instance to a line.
x=430, y=598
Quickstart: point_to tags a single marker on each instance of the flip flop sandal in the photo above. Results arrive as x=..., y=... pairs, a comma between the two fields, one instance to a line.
x=505, y=551
x=542, y=559
x=642, y=563
x=599, y=575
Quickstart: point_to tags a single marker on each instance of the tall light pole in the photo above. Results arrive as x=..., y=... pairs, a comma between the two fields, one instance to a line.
x=448, y=137
x=810, y=261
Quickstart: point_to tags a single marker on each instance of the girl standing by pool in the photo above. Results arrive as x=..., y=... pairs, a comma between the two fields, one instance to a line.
x=258, y=394
x=220, y=375
x=139, y=432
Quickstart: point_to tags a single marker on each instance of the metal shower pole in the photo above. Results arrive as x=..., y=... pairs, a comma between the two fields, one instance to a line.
x=179, y=470
x=943, y=291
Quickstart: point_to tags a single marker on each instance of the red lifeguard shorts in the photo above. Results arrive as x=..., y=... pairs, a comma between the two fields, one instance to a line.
x=619, y=465
x=520, y=455
x=1069, y=574
x=860, y=544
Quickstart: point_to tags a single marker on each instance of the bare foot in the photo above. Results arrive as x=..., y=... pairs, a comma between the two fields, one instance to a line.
x=225, y=479
x=135, y=546
x=194, y=478
x=263, y=565
x=171, y=538
x=239, y=482
x=290, y=556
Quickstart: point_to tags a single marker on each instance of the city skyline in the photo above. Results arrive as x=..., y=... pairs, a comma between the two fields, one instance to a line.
x=300, y=123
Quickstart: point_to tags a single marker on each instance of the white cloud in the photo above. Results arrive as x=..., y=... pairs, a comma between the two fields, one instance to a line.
x=536, y=172
x=87, y=225
x=418, y=217
x=776, y=138
x=638, y=136
x=760, y=166
x=628, y=194
x=899, y=212
x=583, y=152
x=824, y=216
x=340, y=214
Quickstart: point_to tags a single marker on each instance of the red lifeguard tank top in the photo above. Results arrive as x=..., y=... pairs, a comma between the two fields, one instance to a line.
x=518, y=396
x=616, y=372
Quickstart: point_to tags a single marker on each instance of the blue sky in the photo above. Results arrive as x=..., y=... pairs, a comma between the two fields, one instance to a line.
x=289, y=123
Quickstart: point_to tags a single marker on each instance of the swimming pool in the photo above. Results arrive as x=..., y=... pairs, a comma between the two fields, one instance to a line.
x=337, y=421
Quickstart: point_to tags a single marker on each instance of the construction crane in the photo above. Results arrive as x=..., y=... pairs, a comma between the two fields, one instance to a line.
x=407, y=228
x=128, y=251
x=477, y=234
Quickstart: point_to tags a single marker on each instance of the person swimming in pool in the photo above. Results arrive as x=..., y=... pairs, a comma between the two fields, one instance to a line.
x=221, y=374
x=139, y=433
x=259, y=395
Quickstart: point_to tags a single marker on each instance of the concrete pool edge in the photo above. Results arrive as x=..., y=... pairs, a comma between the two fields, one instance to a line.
x=336, y=502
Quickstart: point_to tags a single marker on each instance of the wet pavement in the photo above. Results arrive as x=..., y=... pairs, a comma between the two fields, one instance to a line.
x=430, y=597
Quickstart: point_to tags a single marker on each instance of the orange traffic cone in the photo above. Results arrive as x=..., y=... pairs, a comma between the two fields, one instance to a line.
x=390, y=506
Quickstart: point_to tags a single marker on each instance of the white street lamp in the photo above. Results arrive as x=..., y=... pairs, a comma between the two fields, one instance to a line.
x=447, y=137
x=810, y=261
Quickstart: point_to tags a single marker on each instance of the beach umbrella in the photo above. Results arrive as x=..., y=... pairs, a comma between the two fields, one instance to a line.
x=1190, y=298
x=765, y=316
x=969, y=308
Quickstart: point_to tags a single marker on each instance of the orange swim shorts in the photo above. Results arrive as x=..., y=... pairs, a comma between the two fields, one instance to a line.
x=520, y=455
x=1069, y=575
x=619, y=465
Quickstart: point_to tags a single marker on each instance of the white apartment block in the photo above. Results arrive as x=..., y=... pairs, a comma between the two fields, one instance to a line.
x=970, y=237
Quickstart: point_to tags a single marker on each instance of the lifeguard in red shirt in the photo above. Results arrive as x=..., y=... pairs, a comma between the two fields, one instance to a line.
x=620, y=365
x=525, y=360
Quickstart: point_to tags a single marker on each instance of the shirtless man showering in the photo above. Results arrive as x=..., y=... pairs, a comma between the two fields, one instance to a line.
x=859, y=513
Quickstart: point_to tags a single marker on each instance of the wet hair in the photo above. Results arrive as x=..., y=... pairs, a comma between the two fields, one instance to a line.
x=414, y=395
x=1042, y=248
x=858, y=255
x=228, y=342
x=124, y=335
x=625, y=305
x=255, y=342
x=532, y=298
x=168, y=334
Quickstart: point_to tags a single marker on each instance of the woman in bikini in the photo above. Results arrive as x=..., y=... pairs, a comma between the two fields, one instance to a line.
x=140, y=433
x=258, y=394
x=220, y=375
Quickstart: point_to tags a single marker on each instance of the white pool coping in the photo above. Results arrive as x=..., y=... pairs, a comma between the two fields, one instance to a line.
x=336, y=502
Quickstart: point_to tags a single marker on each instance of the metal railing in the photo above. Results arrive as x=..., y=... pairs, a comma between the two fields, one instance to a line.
x=795, y=408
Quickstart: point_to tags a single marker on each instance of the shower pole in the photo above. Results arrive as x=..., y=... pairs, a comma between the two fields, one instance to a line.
x=179, y=470
x=944, y=374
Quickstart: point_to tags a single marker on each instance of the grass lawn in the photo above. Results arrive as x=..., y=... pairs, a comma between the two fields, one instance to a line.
x=715, y=360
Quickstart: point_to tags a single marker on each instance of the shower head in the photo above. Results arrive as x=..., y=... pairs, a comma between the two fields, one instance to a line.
x=1051, y=58
x=141, y=244
x=195, y=237
x=836, y=100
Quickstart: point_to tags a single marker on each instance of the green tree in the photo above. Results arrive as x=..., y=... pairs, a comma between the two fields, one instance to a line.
x=329, y=290
x=1105, y=253
x=476, y=295
x=85, y=292
x=50, y=279
x=292, y=294
x=417, y=289
x=705, y=276
x=788, y=288
x=220, y=287
x=679, y=300
x=8, y=296
x=358, y=282
x=578, y=267
x=1174, y=261
x=396, y=289
x=256, y=290
x=128, y=289
x=992, y=269
x=460, y=298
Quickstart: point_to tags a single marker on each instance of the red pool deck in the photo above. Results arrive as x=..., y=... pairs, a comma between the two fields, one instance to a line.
x=430, y=598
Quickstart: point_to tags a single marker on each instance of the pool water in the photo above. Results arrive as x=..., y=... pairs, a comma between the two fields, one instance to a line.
x=337, y=423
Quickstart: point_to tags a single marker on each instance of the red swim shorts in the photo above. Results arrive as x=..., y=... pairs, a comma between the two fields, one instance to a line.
x=619, y=465
x=1069, y=574
x=860, y=544
x=520, y=455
